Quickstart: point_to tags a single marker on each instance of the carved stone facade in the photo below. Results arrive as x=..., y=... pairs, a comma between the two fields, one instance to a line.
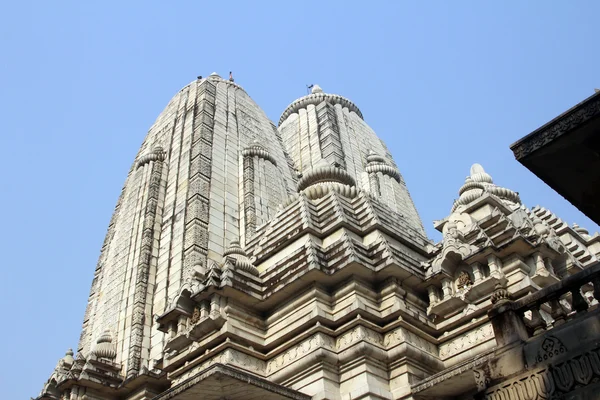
x=245, y=260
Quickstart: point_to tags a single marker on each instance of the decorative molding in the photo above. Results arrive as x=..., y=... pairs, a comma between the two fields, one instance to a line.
x=313, y=343
x=315, y=99
x=550, y=382
x=550, y=347
x=256, y=150
x=224, y=371
x=157, y=155
x=325, y=174
x=466, y=341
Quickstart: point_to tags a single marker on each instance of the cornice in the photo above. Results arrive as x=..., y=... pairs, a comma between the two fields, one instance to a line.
x=559, y=126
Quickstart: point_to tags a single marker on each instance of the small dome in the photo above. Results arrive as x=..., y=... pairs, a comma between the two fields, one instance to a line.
x=104, y=347
x=68, y=359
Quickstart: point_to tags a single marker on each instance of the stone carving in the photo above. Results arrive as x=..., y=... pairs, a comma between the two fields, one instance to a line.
x=463, y=280
x=316, y=341
x=104, y=347
x=550, y=382
x=143, y=269
x=482, y=380
x=402, y=335
x=195, y=316
x=466, y=341
x=357, y=334
x=537, y=385
x=500, y=293
x=550, y=347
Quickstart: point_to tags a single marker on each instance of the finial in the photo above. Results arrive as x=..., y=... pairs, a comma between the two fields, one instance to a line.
x=316, y=89
x=478, y=174
x=231, y=76
x=582, y=231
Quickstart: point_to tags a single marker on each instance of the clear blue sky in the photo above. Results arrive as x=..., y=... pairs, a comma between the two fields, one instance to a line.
x=444, y=83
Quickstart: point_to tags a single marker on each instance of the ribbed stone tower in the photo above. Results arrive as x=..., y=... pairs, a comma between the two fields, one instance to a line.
x=249, y=261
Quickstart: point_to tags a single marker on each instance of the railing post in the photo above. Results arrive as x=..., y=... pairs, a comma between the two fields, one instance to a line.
x=558, y=314
x=508, y=325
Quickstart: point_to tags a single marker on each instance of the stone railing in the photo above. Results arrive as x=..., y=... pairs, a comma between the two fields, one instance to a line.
x=543, y=310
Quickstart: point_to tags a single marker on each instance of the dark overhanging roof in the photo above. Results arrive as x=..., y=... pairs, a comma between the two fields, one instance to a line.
x=565, y=154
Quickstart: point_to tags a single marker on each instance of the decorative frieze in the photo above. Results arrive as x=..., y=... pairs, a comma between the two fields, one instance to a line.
x=466, y=341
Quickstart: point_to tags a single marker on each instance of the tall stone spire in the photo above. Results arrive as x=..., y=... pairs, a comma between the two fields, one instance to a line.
x=210, y=170
x=328, y=128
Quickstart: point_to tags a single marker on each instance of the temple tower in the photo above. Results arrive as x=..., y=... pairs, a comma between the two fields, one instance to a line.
x=249, y=261
x=323, y=129
x=210, y=169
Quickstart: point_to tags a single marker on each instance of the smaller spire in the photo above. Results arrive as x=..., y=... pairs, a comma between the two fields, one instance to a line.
x=477, y=183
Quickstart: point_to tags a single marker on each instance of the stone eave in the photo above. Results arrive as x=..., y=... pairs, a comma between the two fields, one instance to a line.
x=126, y=387
x=200, y=383
x=461, y=376
x=564, y=153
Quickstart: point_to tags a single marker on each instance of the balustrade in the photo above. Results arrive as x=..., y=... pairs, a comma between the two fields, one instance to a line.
x=514, y=320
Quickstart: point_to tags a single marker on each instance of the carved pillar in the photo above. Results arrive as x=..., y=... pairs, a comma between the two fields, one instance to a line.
x=172, y=329
x=215, y=305
x=495, y=265
x=549, y=266
x=181, y=323
x=477, y=272
x=446, y=288
x=540, y=267
x=433, y=294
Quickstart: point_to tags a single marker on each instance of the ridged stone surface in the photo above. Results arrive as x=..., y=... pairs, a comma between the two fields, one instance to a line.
x=197, y=209
x=212, y=170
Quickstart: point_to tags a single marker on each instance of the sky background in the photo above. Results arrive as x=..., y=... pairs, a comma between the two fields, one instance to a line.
x=444, y=83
